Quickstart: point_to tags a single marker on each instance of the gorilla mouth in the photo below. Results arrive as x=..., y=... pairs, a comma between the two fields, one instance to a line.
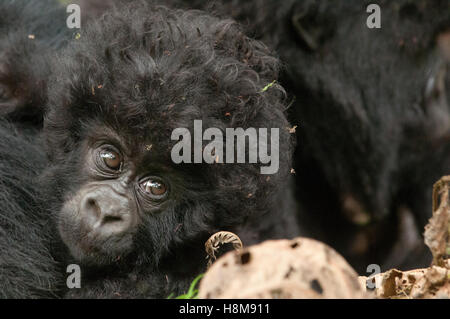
x=88, y=246
x=92, y=250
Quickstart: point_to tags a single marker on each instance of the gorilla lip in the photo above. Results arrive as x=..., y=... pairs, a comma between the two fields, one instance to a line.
x=92, y=250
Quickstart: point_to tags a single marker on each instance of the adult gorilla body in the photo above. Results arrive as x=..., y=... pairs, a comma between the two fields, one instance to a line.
x=27, y=267
x=29, y=32
x=373, y=116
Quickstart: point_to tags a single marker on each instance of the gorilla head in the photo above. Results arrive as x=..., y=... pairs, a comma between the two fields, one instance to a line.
x=118, y=94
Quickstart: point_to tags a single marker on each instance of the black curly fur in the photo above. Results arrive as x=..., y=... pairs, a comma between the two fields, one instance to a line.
x=365, y=128
x=142, y=71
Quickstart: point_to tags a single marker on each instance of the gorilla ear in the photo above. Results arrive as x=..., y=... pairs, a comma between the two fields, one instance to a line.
x=310, y=28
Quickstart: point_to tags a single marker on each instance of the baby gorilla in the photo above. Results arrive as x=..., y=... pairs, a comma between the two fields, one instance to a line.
x=134, y=220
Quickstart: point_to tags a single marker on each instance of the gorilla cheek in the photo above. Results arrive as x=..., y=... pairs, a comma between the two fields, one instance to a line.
x=69, y=226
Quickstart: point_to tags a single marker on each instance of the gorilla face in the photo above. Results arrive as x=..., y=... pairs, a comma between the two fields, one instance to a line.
x=124, y=193
x=97, y=222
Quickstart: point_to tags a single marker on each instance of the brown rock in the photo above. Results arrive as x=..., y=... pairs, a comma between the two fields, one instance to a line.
x=299, y=268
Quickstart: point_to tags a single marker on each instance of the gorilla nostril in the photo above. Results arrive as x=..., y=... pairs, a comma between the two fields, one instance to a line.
x=111, y=219
x=93, y=207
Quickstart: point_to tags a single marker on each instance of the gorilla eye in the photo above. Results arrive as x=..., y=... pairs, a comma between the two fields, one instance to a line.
x=112, y=159
x=154, y=187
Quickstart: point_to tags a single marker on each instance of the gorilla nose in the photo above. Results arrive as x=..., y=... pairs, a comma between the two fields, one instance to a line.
x=105, y=212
